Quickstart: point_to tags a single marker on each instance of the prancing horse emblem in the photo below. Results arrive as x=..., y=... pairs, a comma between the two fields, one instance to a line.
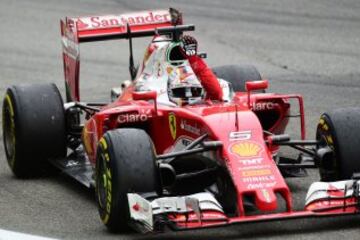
x=172, y=125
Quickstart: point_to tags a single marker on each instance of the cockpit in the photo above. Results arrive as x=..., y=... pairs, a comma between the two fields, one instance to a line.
x=166, y=63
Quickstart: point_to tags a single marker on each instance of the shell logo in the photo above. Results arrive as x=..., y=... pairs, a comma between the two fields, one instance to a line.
x=246, y=149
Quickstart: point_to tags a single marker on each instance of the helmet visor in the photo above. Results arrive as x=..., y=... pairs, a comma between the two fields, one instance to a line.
x=187, y=92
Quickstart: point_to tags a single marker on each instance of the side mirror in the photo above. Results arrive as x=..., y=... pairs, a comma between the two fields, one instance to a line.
x=115, y=93
x=146, y=95
x=257, y=85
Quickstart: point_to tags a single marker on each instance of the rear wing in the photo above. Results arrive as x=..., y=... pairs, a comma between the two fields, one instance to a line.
x=76, y=30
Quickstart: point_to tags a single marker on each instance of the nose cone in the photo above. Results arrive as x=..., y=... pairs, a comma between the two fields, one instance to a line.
x=265, y=200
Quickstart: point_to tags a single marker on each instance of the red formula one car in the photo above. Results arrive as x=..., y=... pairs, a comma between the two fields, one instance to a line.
x=156, y=164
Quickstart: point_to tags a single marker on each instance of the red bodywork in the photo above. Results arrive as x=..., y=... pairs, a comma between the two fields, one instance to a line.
x=249, y=161
x=247, y=153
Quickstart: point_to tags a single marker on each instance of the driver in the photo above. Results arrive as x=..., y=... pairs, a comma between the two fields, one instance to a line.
x=202, y=85
x=207, y=78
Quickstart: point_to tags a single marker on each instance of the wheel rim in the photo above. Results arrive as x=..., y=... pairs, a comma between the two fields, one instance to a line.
x=103, y=185
x=328, y=169
x=9, y=131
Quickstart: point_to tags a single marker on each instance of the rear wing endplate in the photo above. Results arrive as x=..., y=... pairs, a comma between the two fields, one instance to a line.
x=75, y=30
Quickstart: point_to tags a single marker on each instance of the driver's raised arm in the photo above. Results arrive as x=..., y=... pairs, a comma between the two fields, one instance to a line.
x=203, y=72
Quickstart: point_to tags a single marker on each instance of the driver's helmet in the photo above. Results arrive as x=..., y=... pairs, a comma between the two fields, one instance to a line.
x=184, y=87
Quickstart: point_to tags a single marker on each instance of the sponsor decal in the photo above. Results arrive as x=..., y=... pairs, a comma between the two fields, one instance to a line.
x=142, y=116
x=184, y=125
x=70, y=48
x=246, y=149
x=266, y=195
x=269, y=178
x=332, y=202
x=252, y=186
x=172, y=125
x=332, y=191
x=142, y=18
x=184, y=72
x=147, y=17
x=249, y=162
x=257, y=172
x=238, y=136
x=138, y=207
x=212, y=215
x=81, y=25
x=99, y=22
x=261, y=106
x=252, y=167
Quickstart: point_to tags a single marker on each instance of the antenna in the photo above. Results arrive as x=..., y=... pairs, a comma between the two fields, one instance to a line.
x=236, y=118
x=132, y=68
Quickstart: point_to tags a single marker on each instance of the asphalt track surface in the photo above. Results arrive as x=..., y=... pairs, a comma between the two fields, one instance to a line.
x=311, y=47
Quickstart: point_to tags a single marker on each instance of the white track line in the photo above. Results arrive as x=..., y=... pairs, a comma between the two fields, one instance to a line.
x=8, y=235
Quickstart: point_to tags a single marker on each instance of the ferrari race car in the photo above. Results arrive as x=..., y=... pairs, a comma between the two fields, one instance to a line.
x=156, y=164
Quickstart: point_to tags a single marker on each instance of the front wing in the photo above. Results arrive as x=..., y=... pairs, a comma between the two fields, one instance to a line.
x=203, y=210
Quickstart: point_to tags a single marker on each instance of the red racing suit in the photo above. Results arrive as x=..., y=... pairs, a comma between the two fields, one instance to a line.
x=207, y=78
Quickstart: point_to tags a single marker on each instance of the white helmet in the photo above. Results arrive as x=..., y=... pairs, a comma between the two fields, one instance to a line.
x=184, y=87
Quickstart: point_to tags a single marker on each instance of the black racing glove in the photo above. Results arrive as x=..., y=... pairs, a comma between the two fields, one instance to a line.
x=189, y=45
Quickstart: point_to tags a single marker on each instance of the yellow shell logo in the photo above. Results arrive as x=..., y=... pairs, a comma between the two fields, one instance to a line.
x=246, y=149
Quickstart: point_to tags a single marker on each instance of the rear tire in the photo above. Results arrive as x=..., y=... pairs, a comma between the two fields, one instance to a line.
x=237, y=75
x=33, y=128
x=340, y=130
x=125, y=163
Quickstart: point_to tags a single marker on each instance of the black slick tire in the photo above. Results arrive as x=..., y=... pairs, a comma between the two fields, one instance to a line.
x=33, y=128
x=237, y=75
x=125, y=163
x=340, y=130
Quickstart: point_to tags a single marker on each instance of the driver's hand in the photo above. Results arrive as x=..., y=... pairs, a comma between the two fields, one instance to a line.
x=189, y=45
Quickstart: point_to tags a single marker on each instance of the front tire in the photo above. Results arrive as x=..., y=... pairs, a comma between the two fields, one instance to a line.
x=340, y=130
x=33, y=128
x=125, y=163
